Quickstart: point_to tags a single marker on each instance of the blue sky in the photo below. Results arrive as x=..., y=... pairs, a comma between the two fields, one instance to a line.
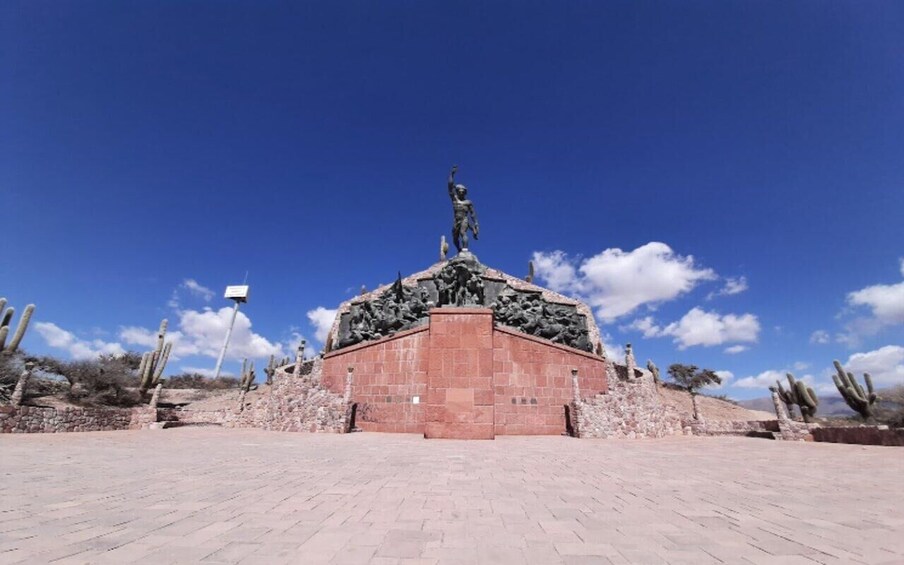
x=723, y=181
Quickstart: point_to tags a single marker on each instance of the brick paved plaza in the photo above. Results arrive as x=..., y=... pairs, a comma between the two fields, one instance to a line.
x=235, y=496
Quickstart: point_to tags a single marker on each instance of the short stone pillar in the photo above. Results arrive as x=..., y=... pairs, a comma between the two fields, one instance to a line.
x=698, y=415
x=575, y=386
x=21, y=383
x=299, y=359
x=779, y=406
x=348, y=385
x=630, y=362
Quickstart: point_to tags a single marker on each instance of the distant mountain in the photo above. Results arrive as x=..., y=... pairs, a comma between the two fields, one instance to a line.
x=828, y=406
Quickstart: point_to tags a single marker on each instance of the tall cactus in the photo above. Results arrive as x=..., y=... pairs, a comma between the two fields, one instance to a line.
x=799, y=394
x=247, y=375
x=20, y=329
x=272, y=365
x=153, y=362
x=247, y=380
x=654, y=370
x=859, y=400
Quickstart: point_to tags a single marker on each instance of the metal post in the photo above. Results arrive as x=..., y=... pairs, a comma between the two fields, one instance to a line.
x=216, y=372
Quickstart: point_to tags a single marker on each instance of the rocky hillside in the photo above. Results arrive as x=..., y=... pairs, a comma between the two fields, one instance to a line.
x=712, y=408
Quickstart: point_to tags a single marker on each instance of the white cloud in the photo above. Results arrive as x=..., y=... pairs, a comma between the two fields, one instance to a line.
x=202, y=333
x=194, y=288
x=647, y=326
x=885, y=301
x=732, y=286
x=617, y=282
x=322, y=320
x=77, y=348
x=726, y=376
x=886, y=305
x=146, y=339
x=735, y=349
x=885, y=365
x=768, y=378
x=699, y=327
x=198, y=290
x=819, y=336
x=801, y=366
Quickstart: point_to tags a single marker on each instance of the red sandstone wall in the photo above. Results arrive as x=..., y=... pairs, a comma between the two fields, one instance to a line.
x=460, y=400
x=466, y=374
x=532, y=382
x=388, y=374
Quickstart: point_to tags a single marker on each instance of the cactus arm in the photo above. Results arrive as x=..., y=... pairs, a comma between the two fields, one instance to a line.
x=161, y=335
x=855, y=386
x=2, y=304
x=23, y=325
x=162, y=362
x=7, y=316
x=4, y=330
x=805, y=395
x=144, y=362
x=148, y=370
x=869, y=386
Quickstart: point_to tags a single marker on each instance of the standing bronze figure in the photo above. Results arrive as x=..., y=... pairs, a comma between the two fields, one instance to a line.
x=465, y=216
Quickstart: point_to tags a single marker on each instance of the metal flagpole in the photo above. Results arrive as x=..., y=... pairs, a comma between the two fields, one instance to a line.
x=235, y=311
x=239, y=294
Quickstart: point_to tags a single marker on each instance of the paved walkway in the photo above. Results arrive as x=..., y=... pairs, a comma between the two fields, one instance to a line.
x=239, y=496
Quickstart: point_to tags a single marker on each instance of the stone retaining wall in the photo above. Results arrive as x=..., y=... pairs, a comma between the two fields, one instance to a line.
x=291, y=404
x=631, y=408
x=784, y=429
x=33, y=419
x=300, y=404
x=863, y=435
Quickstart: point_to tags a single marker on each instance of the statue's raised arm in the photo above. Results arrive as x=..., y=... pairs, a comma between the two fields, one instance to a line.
x=452, y=181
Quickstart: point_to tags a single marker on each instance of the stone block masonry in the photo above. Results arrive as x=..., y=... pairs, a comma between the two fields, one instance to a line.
x=460, y=394
x=462, y=376
x=390, y=380
x=33, y=419
x=631, y=408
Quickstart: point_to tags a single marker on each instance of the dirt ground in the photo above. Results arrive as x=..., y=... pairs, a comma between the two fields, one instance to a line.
x=712, y=408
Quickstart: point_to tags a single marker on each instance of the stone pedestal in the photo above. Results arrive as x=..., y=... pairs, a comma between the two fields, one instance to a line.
x=460, y=396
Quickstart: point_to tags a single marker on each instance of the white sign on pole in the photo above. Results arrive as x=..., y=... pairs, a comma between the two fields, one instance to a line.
x=237, y=292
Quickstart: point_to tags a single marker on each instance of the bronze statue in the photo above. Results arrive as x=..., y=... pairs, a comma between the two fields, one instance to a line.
x=465, y=216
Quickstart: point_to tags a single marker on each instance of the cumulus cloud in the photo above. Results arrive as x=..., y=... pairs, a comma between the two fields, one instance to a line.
x=885, y=365
x=198, y=290
x=820, y=337
x=194, y=288
x=78, y=348
x=322, y=320
x=886, y=305
x=726, y=376
x=732, y=286
x=735, y=349
x=699, y=327
x=616, y=282
x=146, y=339
x=768, y=378
x=202, y=333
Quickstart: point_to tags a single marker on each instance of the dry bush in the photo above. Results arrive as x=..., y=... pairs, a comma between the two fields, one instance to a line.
x=11, y=366
x=194, y=380
x=891, y=407
x=108, y=380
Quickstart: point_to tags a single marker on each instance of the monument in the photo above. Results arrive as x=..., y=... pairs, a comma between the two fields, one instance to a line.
x=462, y=349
